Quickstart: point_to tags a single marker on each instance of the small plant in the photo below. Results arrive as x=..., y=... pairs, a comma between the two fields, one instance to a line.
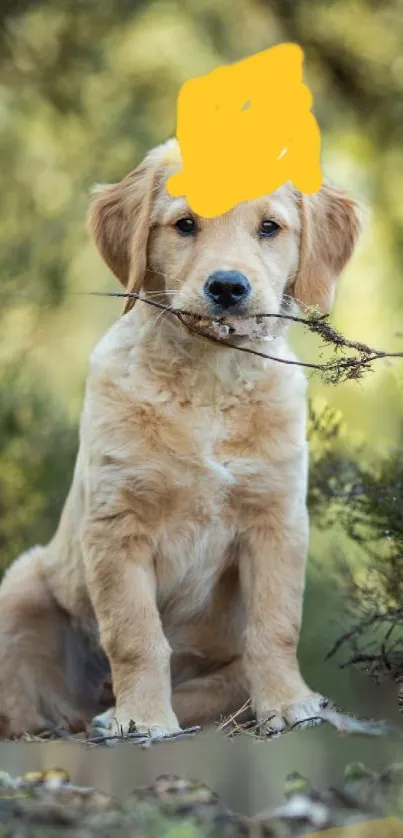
x=366, y=500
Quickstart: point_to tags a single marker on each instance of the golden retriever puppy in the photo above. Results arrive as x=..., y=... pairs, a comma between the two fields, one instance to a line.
x=178, y=564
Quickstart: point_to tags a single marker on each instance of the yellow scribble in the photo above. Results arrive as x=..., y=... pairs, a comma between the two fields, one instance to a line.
x=244, y=130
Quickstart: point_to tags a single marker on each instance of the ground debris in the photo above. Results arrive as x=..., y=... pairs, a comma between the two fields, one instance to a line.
x=93, y=737
x=47, y=805
x=238, y=724
x=241, y=722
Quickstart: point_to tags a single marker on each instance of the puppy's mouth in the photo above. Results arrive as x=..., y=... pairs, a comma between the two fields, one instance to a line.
x=254, y=327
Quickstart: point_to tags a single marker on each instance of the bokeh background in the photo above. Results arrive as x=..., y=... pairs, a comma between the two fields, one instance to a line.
x=86, y=89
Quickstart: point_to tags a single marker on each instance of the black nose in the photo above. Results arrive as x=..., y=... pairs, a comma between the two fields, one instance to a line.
x=227, y=288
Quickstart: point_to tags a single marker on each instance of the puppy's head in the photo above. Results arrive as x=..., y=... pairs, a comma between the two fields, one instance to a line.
x=242, y=263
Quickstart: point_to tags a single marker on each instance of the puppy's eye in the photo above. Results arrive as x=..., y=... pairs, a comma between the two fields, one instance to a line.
x=186, y=226
x=269, y=229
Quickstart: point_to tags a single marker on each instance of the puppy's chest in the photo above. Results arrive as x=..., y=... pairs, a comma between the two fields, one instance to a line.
x=198, y=475
x=204, y=461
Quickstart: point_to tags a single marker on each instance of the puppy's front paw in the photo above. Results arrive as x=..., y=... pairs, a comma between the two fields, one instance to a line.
x=118, y=723
x=302, y=712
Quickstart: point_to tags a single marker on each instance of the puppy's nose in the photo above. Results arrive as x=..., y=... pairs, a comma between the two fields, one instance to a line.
x=227, y=288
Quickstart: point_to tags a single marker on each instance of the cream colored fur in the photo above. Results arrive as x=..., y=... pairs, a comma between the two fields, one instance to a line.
x=180, y=555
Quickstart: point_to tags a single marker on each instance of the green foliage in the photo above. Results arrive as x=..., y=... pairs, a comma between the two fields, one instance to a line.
x=37, y=449
x=364, y=497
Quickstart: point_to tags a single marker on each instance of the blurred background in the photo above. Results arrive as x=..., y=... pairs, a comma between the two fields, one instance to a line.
x=85, y=90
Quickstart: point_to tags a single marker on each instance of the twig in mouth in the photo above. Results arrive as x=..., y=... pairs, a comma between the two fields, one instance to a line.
x=335, y=371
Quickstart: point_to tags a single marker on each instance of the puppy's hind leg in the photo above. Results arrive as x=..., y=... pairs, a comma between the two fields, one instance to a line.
x=34, y=634
x=207, y=698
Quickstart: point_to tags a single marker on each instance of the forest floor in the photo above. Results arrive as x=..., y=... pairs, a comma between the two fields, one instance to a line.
x=47, y=805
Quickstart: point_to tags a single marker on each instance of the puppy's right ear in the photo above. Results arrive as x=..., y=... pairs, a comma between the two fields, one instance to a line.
x=119, y=222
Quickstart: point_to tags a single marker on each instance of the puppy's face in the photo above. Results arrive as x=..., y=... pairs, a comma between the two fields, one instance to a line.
x=239, y=263
x=242, y=263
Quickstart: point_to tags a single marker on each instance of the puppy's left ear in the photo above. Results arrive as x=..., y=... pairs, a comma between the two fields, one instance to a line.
x=119, y=221
x=330, y=226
